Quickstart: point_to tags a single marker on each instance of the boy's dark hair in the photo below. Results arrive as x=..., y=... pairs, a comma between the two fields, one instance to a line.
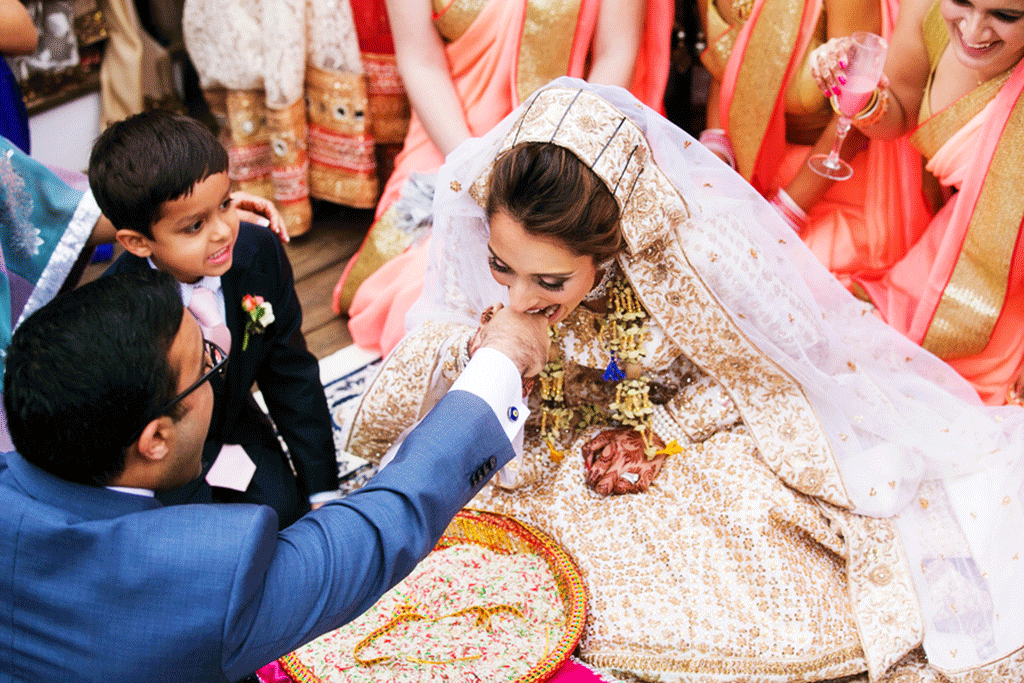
x=147, y=159
x=88, y=370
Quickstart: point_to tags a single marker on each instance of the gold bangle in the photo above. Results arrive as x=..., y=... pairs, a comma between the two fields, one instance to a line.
x=872, y=114
x=869, y=107
x=834, y=100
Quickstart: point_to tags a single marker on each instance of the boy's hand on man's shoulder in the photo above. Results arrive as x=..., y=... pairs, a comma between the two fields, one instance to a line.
x=254, y=209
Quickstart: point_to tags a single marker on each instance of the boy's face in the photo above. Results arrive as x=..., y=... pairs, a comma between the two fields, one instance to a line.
x=194, y=235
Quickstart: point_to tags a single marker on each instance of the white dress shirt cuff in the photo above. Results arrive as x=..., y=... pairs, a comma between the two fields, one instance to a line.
x=492, y=376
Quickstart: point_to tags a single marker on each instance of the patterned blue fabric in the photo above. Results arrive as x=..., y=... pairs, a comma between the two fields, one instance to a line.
x=44, y=224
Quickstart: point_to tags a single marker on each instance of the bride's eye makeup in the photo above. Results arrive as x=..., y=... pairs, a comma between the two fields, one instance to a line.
x=551, y=286
x=497, y=265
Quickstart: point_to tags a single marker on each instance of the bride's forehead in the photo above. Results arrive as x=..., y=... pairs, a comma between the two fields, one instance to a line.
x=511, y=241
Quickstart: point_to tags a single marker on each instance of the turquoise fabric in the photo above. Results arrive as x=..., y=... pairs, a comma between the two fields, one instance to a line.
x=45, y=223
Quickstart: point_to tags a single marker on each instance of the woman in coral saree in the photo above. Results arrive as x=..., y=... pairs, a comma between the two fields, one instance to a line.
x=956, y=80
x=773, y=117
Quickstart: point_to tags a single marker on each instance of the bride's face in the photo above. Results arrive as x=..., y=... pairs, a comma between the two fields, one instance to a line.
x=540, y=274
x=986, y=36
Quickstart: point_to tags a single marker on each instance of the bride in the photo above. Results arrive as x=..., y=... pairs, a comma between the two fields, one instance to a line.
x=810, y=496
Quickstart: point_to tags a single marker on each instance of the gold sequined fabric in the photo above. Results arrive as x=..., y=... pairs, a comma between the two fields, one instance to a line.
x=545, y=43
x=342, y=167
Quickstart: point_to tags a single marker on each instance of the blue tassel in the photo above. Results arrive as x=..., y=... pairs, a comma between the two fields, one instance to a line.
x=613, y=373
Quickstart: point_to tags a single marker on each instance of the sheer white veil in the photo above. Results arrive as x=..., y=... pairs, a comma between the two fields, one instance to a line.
x=908, y=435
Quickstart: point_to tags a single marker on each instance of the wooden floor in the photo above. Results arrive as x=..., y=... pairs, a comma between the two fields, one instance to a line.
x=317, y=258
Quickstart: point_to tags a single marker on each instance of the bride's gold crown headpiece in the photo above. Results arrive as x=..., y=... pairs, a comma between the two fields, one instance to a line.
x=613, y=146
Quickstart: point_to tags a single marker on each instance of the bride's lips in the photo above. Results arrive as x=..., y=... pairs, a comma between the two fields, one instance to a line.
x=220, y=257
x=549, y=312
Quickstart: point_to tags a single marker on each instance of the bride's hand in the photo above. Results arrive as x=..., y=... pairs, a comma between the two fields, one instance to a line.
x=616, y=462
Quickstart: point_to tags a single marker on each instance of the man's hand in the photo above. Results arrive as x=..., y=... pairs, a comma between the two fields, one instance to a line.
x=253, y=209
x=616, y=462
x=520, y=336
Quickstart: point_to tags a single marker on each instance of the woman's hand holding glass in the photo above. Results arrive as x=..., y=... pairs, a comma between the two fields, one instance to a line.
x=848, y=70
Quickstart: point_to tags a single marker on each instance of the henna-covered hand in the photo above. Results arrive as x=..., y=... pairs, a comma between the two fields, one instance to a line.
x=828, y=64
x=253, y=209
x=616, y=462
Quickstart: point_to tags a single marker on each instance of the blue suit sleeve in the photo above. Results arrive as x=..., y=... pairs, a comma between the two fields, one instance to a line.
x=334, y=563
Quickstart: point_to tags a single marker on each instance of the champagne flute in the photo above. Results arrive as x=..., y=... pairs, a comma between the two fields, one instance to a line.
x=866, y=60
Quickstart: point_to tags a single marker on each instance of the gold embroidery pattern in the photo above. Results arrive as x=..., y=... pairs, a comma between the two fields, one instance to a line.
x=779, y=417
x=396, y=396
x=880, y=588
x=342, y=167
x=729, y=588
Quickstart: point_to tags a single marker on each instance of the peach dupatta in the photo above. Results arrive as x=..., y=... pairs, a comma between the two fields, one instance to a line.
x=865, y=223
x=960, y=291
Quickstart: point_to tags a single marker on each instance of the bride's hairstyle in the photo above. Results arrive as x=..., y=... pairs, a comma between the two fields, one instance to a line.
x=551, y=193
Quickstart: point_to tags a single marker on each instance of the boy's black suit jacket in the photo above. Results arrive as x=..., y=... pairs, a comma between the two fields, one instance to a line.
x=278, y=361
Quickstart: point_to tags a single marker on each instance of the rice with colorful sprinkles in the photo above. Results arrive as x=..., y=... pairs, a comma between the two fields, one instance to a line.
x=466, y=613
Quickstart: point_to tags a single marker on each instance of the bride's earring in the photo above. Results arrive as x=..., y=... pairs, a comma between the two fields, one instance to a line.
x=601, y=288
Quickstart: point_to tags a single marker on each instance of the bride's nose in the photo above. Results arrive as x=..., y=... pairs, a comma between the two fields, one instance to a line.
x=520, y=295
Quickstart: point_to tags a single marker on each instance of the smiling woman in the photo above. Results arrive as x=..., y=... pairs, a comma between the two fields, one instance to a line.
x=953, y=82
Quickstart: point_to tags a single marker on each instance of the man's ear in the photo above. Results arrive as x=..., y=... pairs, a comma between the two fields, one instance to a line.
x=154, y=442
x=134, y=242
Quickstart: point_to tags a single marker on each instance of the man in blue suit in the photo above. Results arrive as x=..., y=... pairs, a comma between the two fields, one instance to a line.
x=108, y=401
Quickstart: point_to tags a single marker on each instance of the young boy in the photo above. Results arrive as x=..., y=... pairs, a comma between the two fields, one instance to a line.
x=162, y=181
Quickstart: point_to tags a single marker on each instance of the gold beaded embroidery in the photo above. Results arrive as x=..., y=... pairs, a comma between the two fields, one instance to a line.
x=624, y=332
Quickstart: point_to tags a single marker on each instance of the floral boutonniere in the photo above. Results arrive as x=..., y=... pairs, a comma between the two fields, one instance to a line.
x=261, y=314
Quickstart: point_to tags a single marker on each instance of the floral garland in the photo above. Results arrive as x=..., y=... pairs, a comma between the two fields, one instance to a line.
x=624, y=333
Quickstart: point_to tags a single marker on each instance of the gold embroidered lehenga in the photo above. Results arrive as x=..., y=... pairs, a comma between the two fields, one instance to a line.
x=792, y=408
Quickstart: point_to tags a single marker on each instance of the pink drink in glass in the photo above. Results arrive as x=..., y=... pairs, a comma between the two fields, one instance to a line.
x=855, y=94
x=866, y=55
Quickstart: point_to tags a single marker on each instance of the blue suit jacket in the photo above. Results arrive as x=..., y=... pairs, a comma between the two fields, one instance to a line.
x=99, y=585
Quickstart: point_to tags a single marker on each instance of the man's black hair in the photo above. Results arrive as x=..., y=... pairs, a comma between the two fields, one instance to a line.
x=88, y=370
